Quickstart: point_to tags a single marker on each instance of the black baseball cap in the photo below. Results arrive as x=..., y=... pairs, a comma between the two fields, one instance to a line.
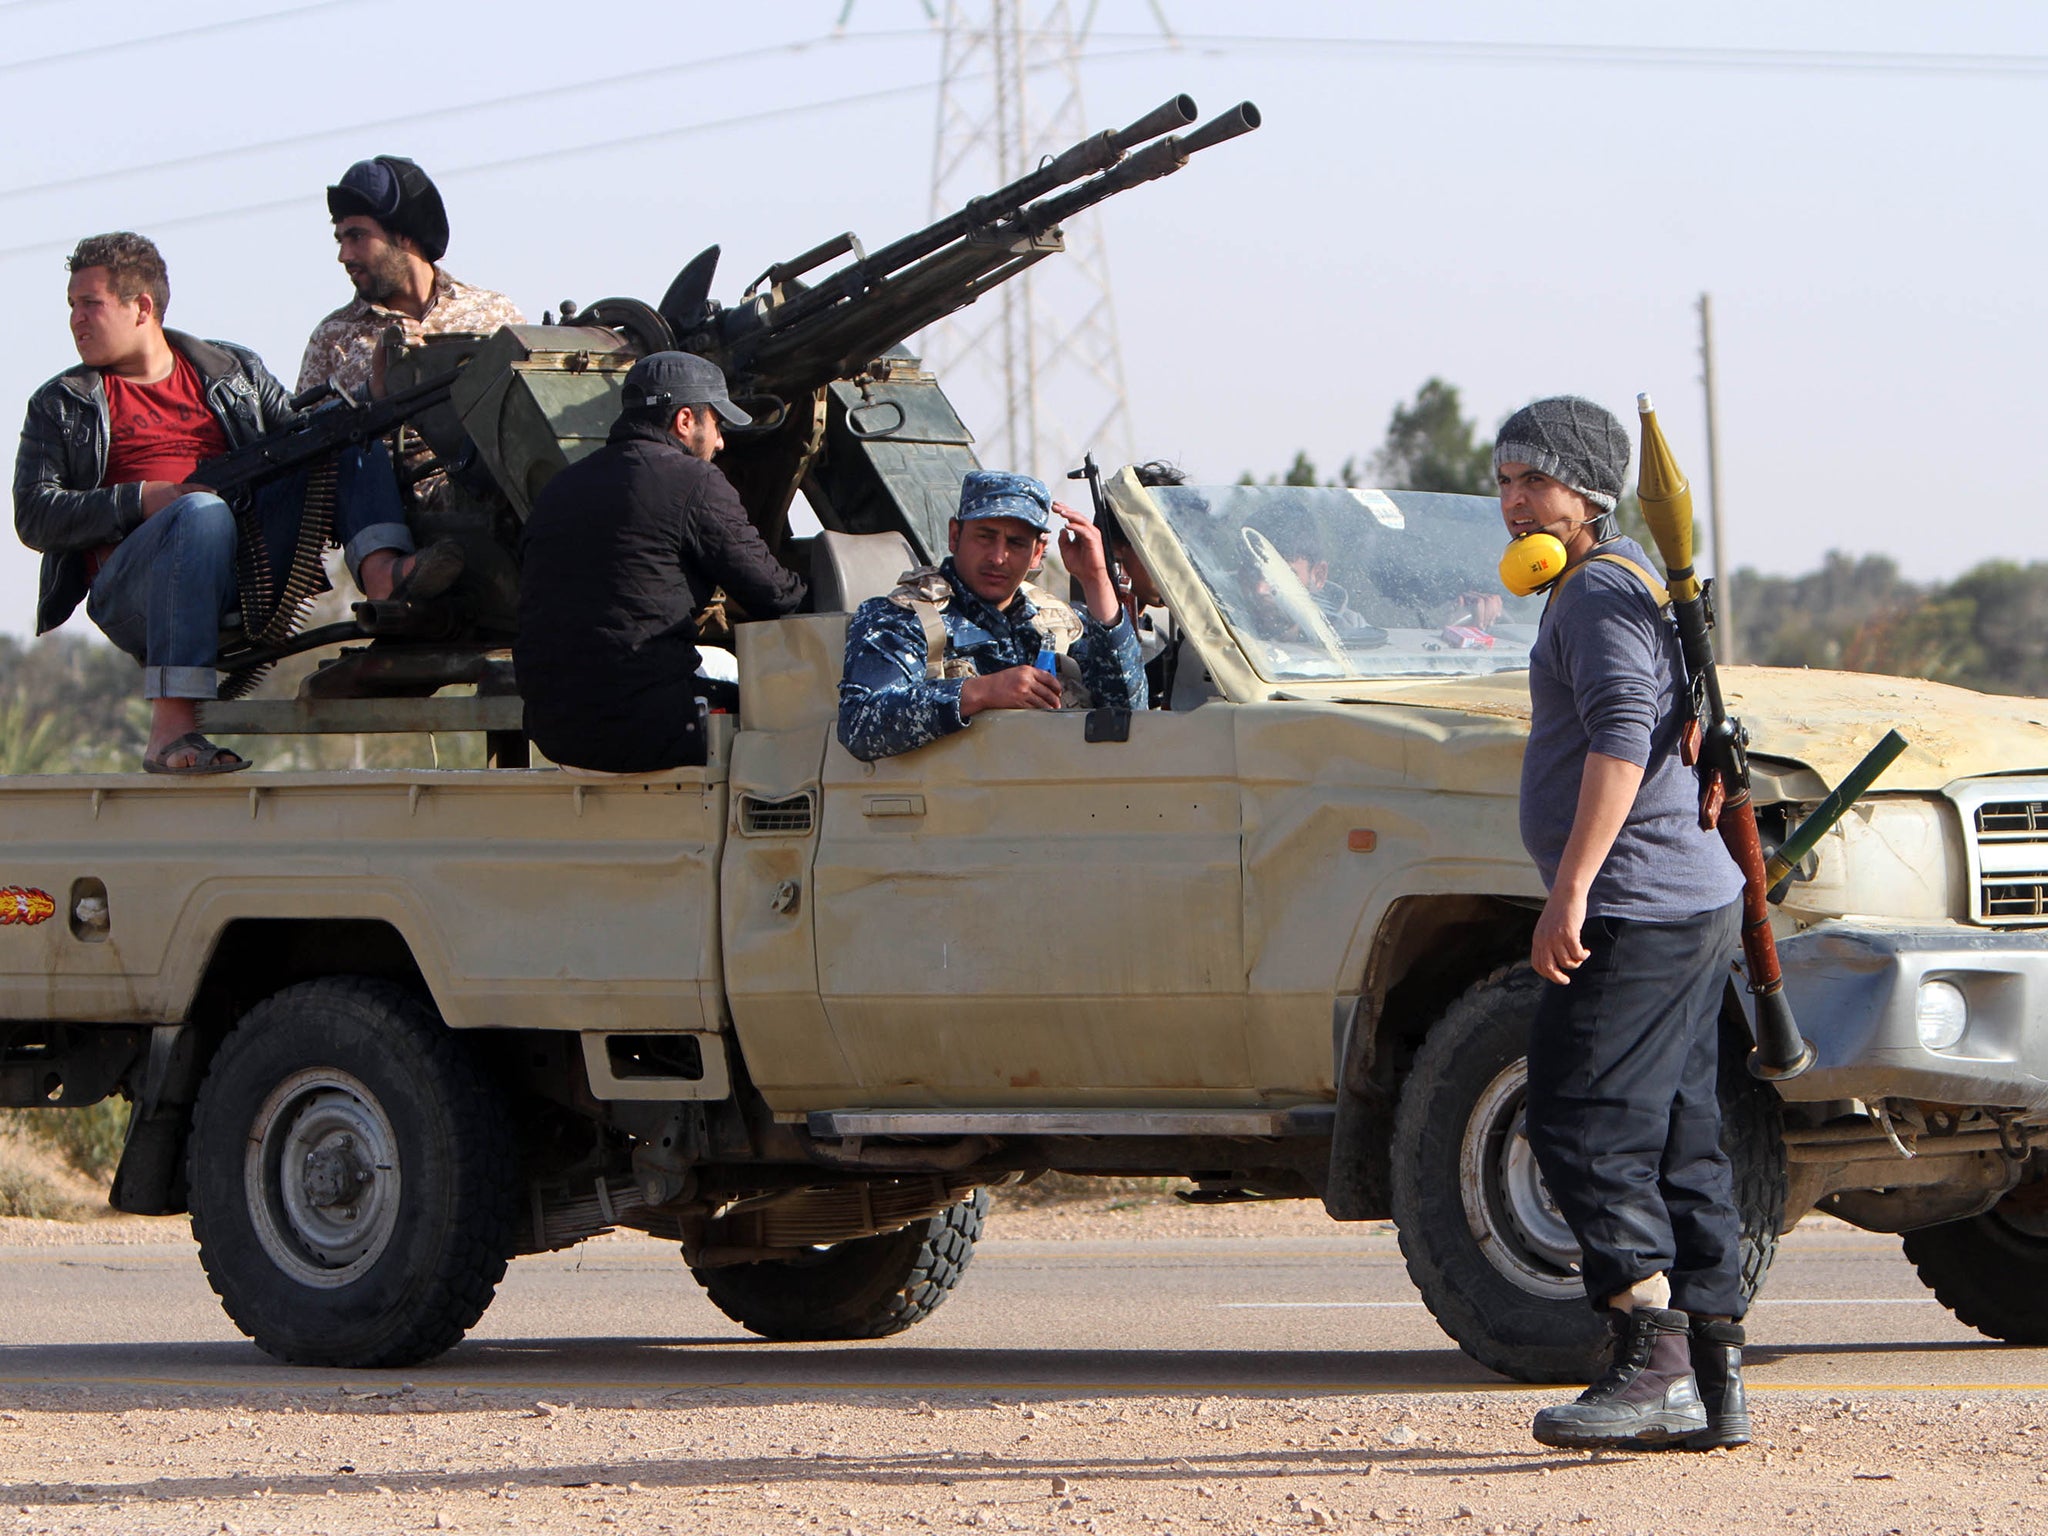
x=677, y=379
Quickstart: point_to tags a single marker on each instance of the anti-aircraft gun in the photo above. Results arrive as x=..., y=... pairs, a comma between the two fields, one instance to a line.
x=845, y=415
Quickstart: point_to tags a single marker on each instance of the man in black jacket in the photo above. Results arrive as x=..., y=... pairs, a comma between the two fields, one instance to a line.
x=101, y=488
x=622, y=549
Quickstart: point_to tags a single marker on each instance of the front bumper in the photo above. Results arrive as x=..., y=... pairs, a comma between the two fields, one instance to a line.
x=1853, y=985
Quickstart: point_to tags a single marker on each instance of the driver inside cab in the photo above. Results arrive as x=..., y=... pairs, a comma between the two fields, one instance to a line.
x=973, y=634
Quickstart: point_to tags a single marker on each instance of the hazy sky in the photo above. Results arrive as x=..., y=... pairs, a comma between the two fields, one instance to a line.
x=1529, y=203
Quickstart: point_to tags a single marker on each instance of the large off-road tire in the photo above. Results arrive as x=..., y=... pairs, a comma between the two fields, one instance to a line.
x=351, y=1177
x=867, y=1288
x=1485, y=1244
x=1991, y=1270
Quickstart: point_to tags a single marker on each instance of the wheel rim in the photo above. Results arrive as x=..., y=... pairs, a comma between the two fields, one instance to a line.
x=1508, y=1207
x=322, y=1178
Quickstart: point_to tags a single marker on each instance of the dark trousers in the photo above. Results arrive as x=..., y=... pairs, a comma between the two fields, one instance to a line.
x=1622, y=1112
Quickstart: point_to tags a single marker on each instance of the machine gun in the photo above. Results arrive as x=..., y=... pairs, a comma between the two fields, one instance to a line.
x=330, y=419
x=784, y=339
x=845, y=415
x=278, y=561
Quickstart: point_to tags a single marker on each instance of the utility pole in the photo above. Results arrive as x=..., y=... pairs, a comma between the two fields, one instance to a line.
x=1724, y=599
x=1040, y=355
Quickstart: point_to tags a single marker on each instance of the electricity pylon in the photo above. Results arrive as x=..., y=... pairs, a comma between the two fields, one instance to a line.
x=1042, y=349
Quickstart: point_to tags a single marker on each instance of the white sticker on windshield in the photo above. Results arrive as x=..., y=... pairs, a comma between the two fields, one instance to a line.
x=1381, y=506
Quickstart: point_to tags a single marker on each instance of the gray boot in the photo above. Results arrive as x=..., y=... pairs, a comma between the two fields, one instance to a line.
x=1717, y=1366
x=1646, y=1401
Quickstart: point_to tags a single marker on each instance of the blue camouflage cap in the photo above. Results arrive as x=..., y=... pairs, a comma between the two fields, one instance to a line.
x=998, y=493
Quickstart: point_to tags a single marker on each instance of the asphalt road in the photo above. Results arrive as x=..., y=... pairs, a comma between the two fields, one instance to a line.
x=1841, y=1308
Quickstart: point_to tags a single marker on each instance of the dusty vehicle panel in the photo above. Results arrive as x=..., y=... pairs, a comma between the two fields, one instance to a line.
x=793, y=999
x=492, y=881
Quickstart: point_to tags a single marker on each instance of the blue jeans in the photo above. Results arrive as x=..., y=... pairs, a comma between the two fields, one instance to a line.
x=163, y=592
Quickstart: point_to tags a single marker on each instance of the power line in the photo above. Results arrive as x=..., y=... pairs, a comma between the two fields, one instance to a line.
x=98, y=50
x=414, y=119
x=655, y=136
x=1624, y=56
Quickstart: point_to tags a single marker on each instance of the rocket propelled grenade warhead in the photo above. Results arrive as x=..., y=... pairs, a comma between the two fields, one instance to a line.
x=1666, y=496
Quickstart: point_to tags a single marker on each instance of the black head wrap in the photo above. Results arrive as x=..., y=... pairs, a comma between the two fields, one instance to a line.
x=397, y=194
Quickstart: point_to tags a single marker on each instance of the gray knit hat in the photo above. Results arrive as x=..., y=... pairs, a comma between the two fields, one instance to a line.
x=1577, y=443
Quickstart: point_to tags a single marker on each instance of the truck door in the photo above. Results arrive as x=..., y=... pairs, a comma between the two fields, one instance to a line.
x=1014, y=916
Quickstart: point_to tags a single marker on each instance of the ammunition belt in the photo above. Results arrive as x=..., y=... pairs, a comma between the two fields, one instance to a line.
x=278, y=571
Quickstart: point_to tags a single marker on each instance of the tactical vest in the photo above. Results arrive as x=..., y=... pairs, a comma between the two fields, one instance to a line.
x=926, y=593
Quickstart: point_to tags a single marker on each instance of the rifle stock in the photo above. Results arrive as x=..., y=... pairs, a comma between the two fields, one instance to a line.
x=1723, y=766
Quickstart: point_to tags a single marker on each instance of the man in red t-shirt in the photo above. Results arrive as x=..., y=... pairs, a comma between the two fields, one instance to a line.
x=101, y=488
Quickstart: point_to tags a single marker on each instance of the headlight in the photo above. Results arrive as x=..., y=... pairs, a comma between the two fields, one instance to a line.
x=1943, y=1014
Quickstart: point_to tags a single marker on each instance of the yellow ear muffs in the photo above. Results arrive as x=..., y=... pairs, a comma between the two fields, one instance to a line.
x=1531, y=563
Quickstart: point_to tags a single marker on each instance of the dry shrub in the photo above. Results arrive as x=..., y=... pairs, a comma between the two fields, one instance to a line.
x=36, y=1181
x=89, y=1139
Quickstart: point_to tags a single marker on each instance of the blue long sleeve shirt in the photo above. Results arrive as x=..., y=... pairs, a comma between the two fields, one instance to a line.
x=1606, y=676
x=888, y=706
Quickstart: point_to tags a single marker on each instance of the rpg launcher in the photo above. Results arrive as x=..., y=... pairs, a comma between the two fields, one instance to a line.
x=1720, y=754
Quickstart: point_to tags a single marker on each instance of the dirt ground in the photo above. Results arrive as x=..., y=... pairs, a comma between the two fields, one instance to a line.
x=384, y=1456
x=397, y=1460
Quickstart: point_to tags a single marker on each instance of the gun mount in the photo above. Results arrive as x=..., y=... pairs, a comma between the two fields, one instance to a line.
x=846, y=415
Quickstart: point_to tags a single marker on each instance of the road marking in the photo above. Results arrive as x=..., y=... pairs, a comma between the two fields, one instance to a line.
x=1761, y=1301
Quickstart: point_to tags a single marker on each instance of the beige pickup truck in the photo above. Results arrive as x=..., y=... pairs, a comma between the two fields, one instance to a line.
x=386, y=1030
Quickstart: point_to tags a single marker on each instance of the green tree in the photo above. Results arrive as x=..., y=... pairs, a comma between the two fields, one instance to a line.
x=1301, y=472
x=1842, y=615
x=30, y=741
x=89, y=690
x=1432, y=446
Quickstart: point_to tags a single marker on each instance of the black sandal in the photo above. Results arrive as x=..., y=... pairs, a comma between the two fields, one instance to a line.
x=433, y=571
x=206, y=758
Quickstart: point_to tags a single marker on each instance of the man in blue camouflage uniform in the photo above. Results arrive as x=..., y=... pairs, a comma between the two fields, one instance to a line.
x=965, y=636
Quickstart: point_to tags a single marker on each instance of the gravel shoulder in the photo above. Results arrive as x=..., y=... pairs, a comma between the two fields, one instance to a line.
x=392, y=1460
x=379, y=1456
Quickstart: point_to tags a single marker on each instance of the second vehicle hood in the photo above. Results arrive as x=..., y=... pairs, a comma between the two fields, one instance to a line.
x=1824, y=720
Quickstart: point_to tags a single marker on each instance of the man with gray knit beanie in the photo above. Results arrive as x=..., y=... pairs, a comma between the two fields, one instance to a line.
x=1634, y=942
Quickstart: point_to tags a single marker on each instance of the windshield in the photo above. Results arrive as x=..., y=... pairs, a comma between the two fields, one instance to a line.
x=1329, y=582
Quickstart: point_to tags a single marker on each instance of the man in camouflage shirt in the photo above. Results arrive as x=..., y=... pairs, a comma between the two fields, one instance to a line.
x=392, y=230
x=966, y=636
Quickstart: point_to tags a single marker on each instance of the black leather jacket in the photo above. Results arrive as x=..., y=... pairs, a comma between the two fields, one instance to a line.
x=60, y=507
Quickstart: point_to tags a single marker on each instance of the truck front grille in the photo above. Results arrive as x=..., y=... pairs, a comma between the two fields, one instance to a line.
x=2004, y=829
x=2007, y=820
x=2021, y=902
x=2013, y=821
